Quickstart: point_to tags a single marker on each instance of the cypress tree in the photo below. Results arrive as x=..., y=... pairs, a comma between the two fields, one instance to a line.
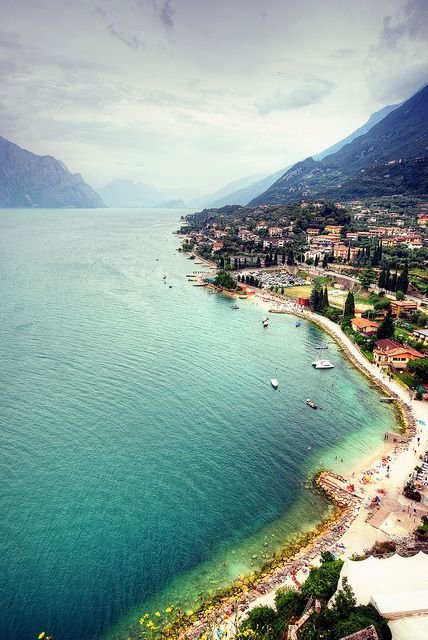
x=349, y=311
x=325, y=299
x=381, y=281
x=348, y=255
x=393, y=282
x=316, y=261
x=403, y=280
x=324, y=261
x=386, y=327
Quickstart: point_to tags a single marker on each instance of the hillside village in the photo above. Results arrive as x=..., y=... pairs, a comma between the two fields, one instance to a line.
x=377, y=251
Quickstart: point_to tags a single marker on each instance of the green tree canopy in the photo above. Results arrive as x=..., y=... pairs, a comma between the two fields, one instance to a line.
x=225, y=280
x=349, y=311
x=419, y=367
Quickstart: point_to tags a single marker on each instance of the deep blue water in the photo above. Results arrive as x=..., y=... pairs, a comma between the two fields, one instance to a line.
x=142, y=443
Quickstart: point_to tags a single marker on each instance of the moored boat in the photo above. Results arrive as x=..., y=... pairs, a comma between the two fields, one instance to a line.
x=274, y=382
x=298, y=323
x=234, y=306
x=311, y=404
x=265, y=322
x=322, y=364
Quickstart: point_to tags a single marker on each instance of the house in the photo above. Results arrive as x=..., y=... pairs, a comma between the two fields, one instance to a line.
x=362, y=325
x=389, y=354
x=421, y=335
x=402, y=307
x=275, y=232
x=333, y=228
x=217, y=246
x=341, y=251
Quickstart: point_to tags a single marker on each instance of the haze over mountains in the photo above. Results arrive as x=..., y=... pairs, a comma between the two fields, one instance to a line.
x=29, y=180
x=391, y=158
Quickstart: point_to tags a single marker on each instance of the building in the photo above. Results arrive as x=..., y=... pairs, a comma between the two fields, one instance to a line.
x=421, y=335
x=401, y=308
x=397, y=587
x=275, y=232
x=333, y=228
x=341, y=251
x=389, y=354
x=364, y=326
x=217, y=246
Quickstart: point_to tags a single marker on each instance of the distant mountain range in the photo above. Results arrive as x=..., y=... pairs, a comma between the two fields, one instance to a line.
x=234, y=193
x=125, y=193
x=389, y=159
x=29, y=180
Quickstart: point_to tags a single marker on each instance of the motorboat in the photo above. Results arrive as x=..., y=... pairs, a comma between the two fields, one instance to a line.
x=265, y=322
x=274, y=382
x=311, y=404
x=298, y=323
x=234, y=306
x=321, y=346
x=322, y=364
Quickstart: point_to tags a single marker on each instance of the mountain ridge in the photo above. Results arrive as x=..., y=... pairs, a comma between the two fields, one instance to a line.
x=399, y=138
x=30, y=180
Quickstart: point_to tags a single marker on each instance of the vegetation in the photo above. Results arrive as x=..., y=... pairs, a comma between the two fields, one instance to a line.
x=225, y=280
x=419, y=367
x=386, y=327
x=349, y=311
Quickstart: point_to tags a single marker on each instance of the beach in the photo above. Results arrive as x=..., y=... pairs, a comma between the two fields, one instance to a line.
x=369, y=505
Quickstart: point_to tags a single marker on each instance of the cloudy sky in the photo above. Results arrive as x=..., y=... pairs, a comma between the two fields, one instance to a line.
x=196, y=93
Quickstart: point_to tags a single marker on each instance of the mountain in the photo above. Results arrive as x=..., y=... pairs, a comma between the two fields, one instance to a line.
x=29, y=180
x=223, y=196
x=125, y=193
x=246, y=193
x=391, y=158
x=171, y=204
x=374, y=119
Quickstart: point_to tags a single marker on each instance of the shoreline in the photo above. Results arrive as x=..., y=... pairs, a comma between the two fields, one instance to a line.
x=348, y=522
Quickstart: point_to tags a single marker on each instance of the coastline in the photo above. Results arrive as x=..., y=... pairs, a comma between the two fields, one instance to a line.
x=348, y=529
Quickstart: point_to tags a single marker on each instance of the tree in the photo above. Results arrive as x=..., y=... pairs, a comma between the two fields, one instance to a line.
x=386, y=327
x=290, y=257
x=403, y=279
x=349, y=311
x=316, y=298
x=324, y=261
x=367, y=277
x=344, y=601
x=325, y=302
x=322, y=581
x=316, y=261
x=261, y=619
x=225, y=280
x=289, y=604
x=399, y=295
x=419, y=368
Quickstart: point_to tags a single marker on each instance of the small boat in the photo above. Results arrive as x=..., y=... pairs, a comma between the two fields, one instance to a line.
x=321, y=346
x=234, y=306
x=243, y=297
x=274, y=382
x=265, y=322
x=311, y=404
x=164, y=277
x=297, y=323
x=170, y=286
x=322, y=364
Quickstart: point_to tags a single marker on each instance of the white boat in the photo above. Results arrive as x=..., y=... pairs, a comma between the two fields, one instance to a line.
x=234, y=306
x=265, y=322
x=321, y=346
x=322, y=364
x=311, y=404
x=274, y=382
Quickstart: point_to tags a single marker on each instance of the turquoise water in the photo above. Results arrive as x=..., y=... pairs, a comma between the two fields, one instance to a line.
x=145, y=456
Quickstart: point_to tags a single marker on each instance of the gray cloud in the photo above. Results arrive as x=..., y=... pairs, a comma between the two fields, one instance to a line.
x=412, y=23
x=132, y=42
x=166, y=15
x=311, y=91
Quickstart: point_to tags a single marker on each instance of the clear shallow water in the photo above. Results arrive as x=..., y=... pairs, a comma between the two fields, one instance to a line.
x=142, y=444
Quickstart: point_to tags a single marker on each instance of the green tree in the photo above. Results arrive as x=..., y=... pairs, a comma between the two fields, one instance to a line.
x=403, y=279
x=419, y=368
x=399, y=295
x=225, y=280
x=367, y=277
x=324, y=261
x=386, y=327
x=349, y=311
x=261, y=619
x=316, y=298
x=322, y=581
